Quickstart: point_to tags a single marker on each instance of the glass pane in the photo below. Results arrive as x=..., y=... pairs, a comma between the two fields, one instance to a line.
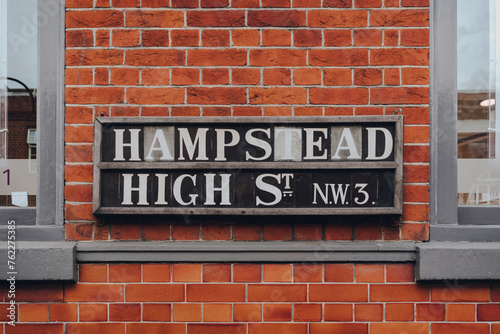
x=18, y=88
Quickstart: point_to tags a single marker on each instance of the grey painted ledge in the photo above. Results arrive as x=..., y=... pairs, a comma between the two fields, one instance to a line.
x=458, y=261
x=40, y=261
x=471, y=233
x=238, y=251
x=57, y=261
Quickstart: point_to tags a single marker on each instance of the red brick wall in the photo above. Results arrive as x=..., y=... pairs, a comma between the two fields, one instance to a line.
x=249, y=58
x=253, y=298
x=240, y=58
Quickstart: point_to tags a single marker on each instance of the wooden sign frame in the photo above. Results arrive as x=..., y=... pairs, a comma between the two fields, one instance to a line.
x=394, y=166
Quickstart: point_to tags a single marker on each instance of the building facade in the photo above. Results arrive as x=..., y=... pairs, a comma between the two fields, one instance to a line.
x=432, y=269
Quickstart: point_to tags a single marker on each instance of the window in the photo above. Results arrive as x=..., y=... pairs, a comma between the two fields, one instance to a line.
x=42, y=220
x=478, y=123
x=18, y=103
x=32, y=117
x=465, y=184
x=464, y=143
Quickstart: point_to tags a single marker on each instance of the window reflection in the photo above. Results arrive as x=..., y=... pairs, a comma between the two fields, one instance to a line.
x=475, y=141
x=18, y=92
x=477, y=123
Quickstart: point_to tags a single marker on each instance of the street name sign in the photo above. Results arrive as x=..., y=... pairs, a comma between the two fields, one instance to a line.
x=346, y=165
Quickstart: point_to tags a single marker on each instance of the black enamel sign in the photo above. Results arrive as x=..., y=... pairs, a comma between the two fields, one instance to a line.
x=286, y=165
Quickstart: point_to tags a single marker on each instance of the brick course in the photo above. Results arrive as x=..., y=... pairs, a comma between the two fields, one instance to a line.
x=206, y=298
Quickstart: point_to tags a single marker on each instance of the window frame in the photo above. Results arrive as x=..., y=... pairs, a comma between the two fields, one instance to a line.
x=459, y=248
x=45, y=221
x=40, y=238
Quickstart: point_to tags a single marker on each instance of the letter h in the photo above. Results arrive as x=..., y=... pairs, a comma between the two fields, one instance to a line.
x=134, y=145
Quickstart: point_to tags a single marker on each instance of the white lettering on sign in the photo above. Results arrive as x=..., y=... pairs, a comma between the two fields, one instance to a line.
x=200, y=139
x=268, y=150
x=142, y=189
x=133, y=144
x=161, y=189
x=16, y=175
x=361, y=186
x=339, y=193
x=177, y=190
x=288, y=144
x=159, y=139
x=224, y=189
x=372, y=144
x=349, y=145
x=311, y=144
x=273, y=190
x=221, y=142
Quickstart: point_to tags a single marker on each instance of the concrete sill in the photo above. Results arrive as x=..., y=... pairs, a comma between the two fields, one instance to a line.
x=458, y=261
x=40, y=261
